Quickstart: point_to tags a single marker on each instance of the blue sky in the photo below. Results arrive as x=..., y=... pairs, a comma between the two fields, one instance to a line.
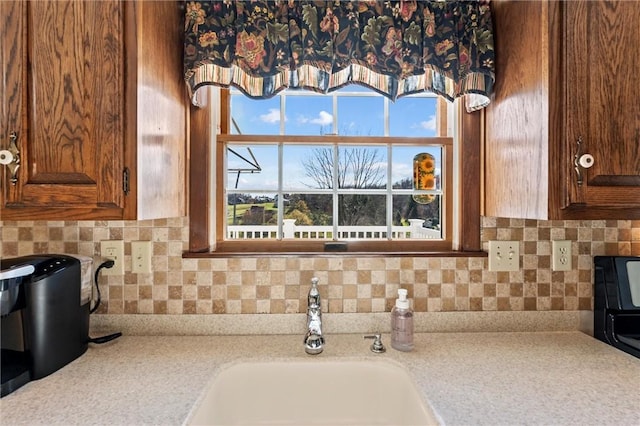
x=307, y=113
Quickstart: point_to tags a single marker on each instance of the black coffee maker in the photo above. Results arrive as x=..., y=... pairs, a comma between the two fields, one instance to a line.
x=44, y=317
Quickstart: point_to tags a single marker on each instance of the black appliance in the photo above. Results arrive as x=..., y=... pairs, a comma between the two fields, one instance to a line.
x=616, y=316
x=45, y=321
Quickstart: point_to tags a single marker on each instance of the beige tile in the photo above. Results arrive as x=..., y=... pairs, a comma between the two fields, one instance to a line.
x=348, y=284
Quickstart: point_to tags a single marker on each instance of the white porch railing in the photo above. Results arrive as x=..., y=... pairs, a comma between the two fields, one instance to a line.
x=290, y=230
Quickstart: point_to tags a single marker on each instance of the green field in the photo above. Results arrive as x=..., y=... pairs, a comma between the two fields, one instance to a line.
x=242, y=208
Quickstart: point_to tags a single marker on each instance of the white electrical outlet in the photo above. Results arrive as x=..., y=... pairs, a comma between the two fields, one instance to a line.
x=561, y=255
x=504, y=255
x=114, y=250
x=141, y=257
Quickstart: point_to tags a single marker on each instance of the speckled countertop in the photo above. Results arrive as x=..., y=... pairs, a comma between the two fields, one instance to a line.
x=556, y=377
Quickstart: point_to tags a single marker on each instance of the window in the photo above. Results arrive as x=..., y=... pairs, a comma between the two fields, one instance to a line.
x=276, y=191
x=331, y=170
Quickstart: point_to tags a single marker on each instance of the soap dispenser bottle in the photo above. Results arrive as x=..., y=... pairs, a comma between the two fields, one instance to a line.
x=402, y=323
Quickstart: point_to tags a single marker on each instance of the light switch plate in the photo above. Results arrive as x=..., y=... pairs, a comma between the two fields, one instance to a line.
x=141, y=257
x=504, y=255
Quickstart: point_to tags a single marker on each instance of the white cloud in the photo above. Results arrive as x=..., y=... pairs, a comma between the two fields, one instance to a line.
x=272, y=117
x=324, y=119
x=429, y=124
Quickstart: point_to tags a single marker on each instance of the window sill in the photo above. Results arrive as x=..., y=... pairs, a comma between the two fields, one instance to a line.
x=229, y=254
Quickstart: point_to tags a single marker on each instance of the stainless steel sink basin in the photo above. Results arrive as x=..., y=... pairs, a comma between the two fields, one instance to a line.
x=312, y=393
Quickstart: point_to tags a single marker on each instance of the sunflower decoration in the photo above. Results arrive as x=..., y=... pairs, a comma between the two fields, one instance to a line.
x=424, y=166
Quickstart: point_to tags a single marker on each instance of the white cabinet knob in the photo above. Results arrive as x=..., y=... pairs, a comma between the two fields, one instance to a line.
x=6, y=157
x=586, y=161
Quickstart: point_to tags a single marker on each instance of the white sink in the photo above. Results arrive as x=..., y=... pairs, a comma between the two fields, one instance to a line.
x=312, y=392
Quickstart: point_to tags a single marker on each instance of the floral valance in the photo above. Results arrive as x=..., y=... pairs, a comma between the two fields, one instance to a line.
x=394, y=47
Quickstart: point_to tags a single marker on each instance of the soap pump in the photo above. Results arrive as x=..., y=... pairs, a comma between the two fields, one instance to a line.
x=402, y=323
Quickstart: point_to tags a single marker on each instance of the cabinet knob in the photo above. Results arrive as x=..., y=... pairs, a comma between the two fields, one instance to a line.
x=585, y=161
x=6, y=157
x=10, y=157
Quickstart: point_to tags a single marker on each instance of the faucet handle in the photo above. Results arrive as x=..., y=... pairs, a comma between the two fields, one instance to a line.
x=377, y=345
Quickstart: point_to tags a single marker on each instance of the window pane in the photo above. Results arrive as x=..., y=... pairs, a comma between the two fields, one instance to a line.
x=308, y=216
x=402, y=169
x=423, y=220
x=413, y=117
x=362, y=210
x=255, y=116
x=307, y=167
x=309, y=115
x=361, y=116
x=251, y=209
x=362, y=167
x=252, y=167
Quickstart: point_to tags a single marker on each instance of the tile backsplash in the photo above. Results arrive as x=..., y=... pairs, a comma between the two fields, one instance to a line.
x=348, y=284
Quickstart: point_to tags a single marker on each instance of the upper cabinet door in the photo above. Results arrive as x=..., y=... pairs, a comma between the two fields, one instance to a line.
x=62, y=62
x=603, y=101
x=565, y=71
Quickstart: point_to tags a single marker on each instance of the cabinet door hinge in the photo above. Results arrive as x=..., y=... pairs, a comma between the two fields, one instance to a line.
x=125, y=181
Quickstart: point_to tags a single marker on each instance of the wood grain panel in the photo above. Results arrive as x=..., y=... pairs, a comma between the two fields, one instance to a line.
x=160, y=115
x=94, y=87
x=564, y=70
x=12, y=55
x=202, y=139
x=603, y=88
x=78, y=113
x=58, y=195
x=517, y=128
x=470, y=177
x=66, y=79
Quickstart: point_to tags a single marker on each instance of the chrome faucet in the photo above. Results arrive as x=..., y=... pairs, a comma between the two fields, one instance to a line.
x=313, y=340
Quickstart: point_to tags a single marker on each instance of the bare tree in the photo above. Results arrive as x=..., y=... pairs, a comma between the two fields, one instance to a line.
x=319, y=167
x=357, y=168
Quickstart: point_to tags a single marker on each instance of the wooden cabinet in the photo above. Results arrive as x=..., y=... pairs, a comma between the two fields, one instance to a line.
x=603, y=99
x=94, y=93
x=565, y=71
